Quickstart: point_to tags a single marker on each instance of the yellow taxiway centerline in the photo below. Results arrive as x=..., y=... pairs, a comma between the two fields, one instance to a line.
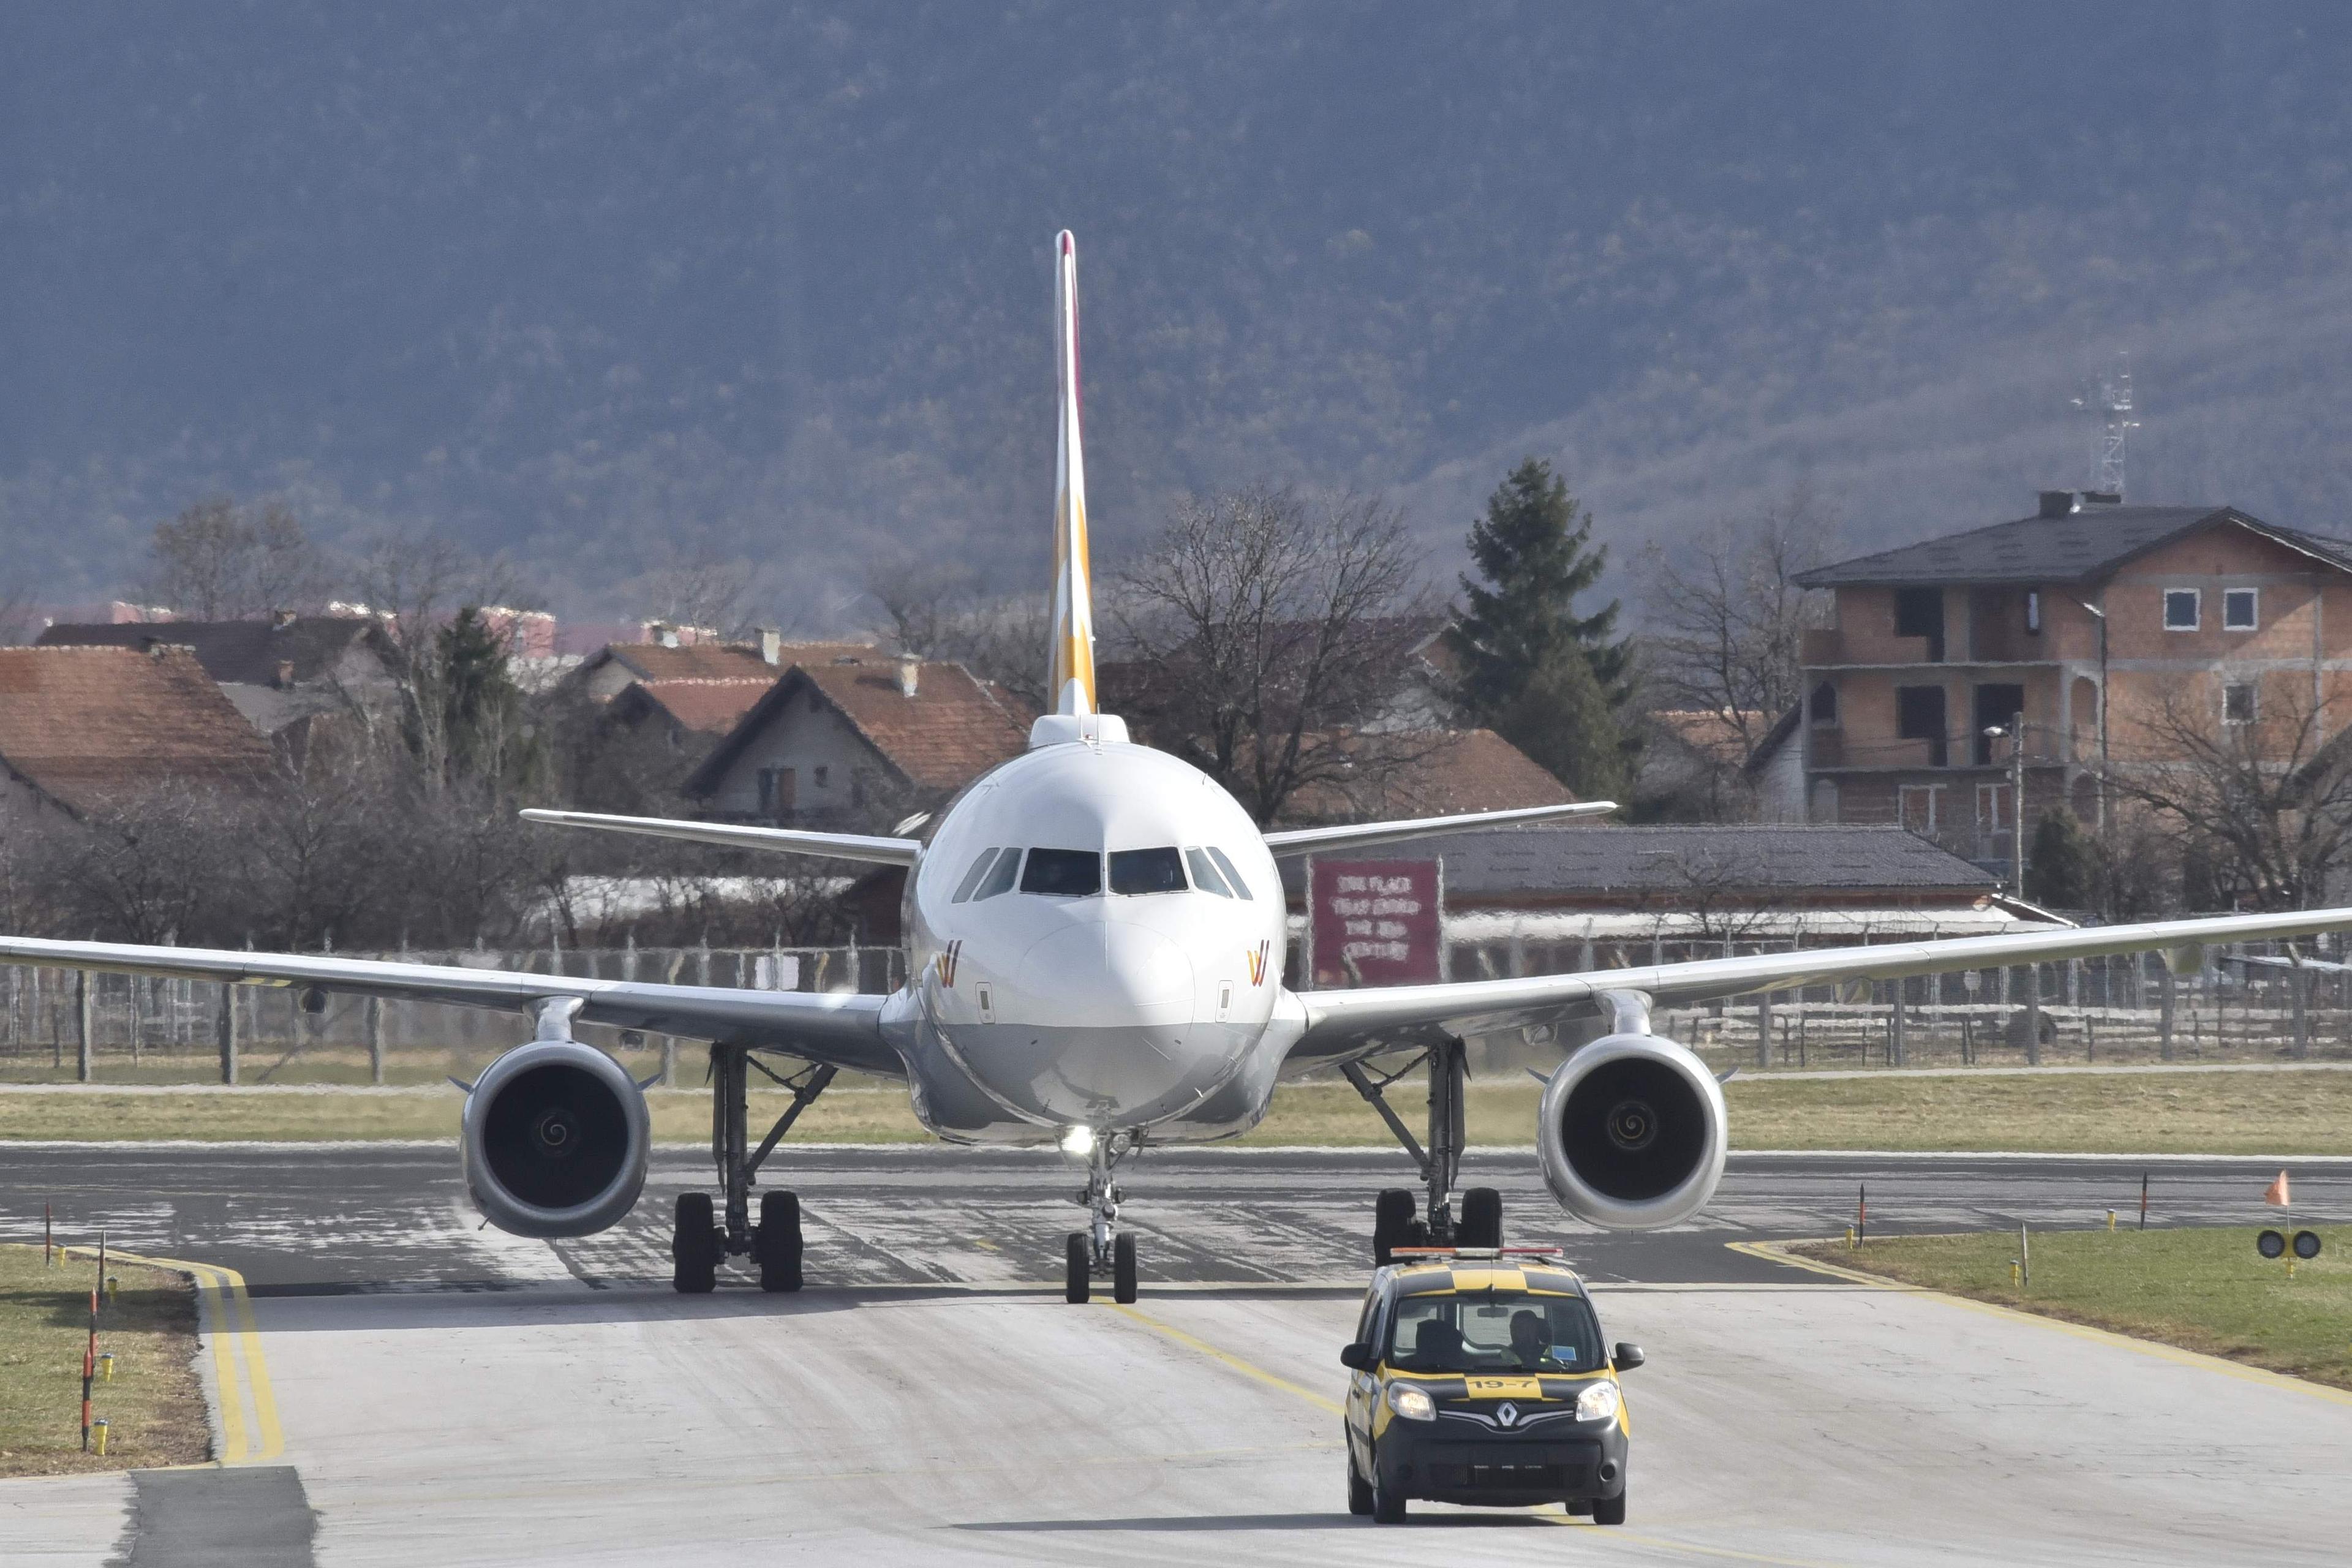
x=1776, y=1252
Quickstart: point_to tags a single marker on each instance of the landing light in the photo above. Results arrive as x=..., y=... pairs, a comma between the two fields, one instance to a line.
x=1078, y=1140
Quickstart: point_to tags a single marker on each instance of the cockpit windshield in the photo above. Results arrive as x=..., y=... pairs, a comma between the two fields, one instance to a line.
x=1062, y=873
x=1495, y=1331
x=1146, y=870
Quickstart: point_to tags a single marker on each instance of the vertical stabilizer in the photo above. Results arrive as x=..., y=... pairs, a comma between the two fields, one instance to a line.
x=1070, y=678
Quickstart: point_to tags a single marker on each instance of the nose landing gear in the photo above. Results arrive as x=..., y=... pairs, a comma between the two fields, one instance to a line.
x=1100, y=1250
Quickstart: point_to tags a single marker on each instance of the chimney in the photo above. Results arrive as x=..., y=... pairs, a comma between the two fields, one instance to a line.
x=280, y=619
x=910, y=672
x=2057, y=503
x=285, y=673
x=771, y=646
x=664, y=635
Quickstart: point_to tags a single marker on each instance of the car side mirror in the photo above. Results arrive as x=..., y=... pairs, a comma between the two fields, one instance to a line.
x=1358, y=1357
x=1627, y=1356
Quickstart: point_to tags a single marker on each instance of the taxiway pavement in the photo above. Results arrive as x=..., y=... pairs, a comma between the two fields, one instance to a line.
x=441, y=1393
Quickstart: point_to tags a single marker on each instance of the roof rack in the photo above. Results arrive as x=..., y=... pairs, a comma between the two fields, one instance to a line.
x=1477, y=1252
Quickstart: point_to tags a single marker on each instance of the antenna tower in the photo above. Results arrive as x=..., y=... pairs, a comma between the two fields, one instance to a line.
x=2111, y=400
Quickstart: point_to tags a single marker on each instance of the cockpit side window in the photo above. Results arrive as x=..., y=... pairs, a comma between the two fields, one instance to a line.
x=971, y=879
x=1225, y=864
x=1008, y=866
x=1062, y=873
x=1146, y=870
x=1204, y=874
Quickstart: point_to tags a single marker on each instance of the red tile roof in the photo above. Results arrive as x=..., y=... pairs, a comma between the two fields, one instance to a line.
x=90, y=724
x=723, y=661
x=1440, y=772
x=706, y=707
x=954, y=727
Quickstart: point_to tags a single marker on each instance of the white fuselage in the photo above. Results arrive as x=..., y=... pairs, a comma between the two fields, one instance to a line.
x=1028, y=1012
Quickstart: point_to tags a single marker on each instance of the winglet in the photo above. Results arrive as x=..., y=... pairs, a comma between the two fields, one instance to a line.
x=1070, y=672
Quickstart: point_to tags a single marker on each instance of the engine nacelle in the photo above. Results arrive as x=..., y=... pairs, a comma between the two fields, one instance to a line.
x=555, y=1140
x=1632, y=1132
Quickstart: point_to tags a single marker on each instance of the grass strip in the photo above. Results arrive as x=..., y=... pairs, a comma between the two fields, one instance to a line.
x=154, y=1408
x=2285, y=1113
x=2203, y=1290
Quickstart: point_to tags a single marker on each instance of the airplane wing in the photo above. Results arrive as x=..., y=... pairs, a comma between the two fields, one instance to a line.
x=839, y=1030
x=1364, y=834
x=1344, y=1024
x=739, y=835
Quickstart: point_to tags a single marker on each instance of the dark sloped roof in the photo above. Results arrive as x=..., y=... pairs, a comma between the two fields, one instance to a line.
x=2078, y=547
x=90, y=724
x=1666, y=860
x=245, y=652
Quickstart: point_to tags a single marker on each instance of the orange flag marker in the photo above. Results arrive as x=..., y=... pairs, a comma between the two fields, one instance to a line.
x=2275, y=1193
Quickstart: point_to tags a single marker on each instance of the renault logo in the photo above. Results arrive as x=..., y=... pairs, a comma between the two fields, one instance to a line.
x=1508, y=1414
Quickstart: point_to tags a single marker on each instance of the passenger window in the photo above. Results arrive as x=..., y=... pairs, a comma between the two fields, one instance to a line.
x=1000, y=880
x=1062, y=873
x=971, y=877
x=1147, y=871
x=1204, y=874
x=1225, y=863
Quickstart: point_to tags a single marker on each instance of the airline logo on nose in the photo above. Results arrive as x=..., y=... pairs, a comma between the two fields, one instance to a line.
x=946, y=962
x=1256, y=963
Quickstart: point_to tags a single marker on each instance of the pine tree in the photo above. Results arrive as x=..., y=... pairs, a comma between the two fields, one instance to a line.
x=1519, y=633
x=2062, y=870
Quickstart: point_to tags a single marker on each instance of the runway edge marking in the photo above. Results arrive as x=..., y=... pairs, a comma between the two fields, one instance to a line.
x=228, y=1316
x=1272, y=1380
x=1776, y=1252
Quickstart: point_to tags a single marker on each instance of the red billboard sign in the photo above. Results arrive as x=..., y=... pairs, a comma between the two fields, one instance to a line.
x=1373, y=922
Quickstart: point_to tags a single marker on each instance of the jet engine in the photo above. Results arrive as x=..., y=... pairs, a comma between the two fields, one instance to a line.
x=554, y=1139
x=1632, y=1132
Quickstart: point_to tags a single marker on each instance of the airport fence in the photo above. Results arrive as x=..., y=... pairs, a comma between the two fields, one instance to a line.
x=65, y=1024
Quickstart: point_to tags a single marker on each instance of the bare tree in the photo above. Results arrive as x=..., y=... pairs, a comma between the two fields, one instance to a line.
x=2254, y=777
x=419, y=588
x=1261, y=627
x=217, y=561
x=700, y=586
x=1726, y=619
x=924, y=601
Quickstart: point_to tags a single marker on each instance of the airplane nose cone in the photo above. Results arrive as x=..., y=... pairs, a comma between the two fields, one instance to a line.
x=1102, y=975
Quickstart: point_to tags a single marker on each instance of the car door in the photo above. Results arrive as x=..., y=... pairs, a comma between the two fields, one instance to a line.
x=1364, y=1387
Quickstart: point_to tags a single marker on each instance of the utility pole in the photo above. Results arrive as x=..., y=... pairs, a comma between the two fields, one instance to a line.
x=2017, y=801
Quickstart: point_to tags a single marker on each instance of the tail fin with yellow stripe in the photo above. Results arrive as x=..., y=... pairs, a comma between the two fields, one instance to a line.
x=1070, y=677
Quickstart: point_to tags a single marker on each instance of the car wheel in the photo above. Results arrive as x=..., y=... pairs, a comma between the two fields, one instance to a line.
x=1122, y=1269
x=776, y=1244
x=1388, y=1503
x=1077, y=1259
x=1481, y=1218
x=694, y=1246
x=1359, y=1491
x=1611, y=1509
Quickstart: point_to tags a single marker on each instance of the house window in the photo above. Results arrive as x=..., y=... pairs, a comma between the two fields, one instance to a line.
x=778, y=792
x=1993, y=808
x=2034, y=611
x=1919, y=716
x=2239, y=609
x=823, y=774
x=2180, y=609
x=1917, y=805
x=1919, y=613
x=1824, y=703
x=2238, y=702
x=1997, y=709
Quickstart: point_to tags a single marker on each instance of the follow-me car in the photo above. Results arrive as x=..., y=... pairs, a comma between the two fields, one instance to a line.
x=1095, y=950
x=1481, y=1377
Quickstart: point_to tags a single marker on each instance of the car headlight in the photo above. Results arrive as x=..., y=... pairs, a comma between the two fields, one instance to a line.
x=1597, y=1402
x=1411, y=1404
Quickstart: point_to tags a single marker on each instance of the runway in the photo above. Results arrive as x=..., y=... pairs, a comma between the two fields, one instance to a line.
x=447, y=1394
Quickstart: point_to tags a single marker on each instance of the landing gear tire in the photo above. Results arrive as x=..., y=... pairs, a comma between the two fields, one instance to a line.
x=1122, y=1269
x=1359, y=1491
x=1481, y=1224
x=1392, y=1223
x=1076, y=1261
x=694, y=1246
x=776, y=1244
x=1611, y=1509
x=1388, y=1503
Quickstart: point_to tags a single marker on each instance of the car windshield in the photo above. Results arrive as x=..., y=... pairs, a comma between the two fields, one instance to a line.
x=1146, y=870
x=1066, y=873
x=1493, y=1332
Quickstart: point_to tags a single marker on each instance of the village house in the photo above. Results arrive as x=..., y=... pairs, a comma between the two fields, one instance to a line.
x=2103, y=625
x=83, y=729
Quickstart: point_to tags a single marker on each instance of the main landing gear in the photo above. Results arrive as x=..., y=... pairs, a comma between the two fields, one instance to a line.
x=698, y=1243
x=1395, y=1222
x=1098, y=1250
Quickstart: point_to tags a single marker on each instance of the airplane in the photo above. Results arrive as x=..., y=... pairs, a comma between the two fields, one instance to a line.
x=1095, y=934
